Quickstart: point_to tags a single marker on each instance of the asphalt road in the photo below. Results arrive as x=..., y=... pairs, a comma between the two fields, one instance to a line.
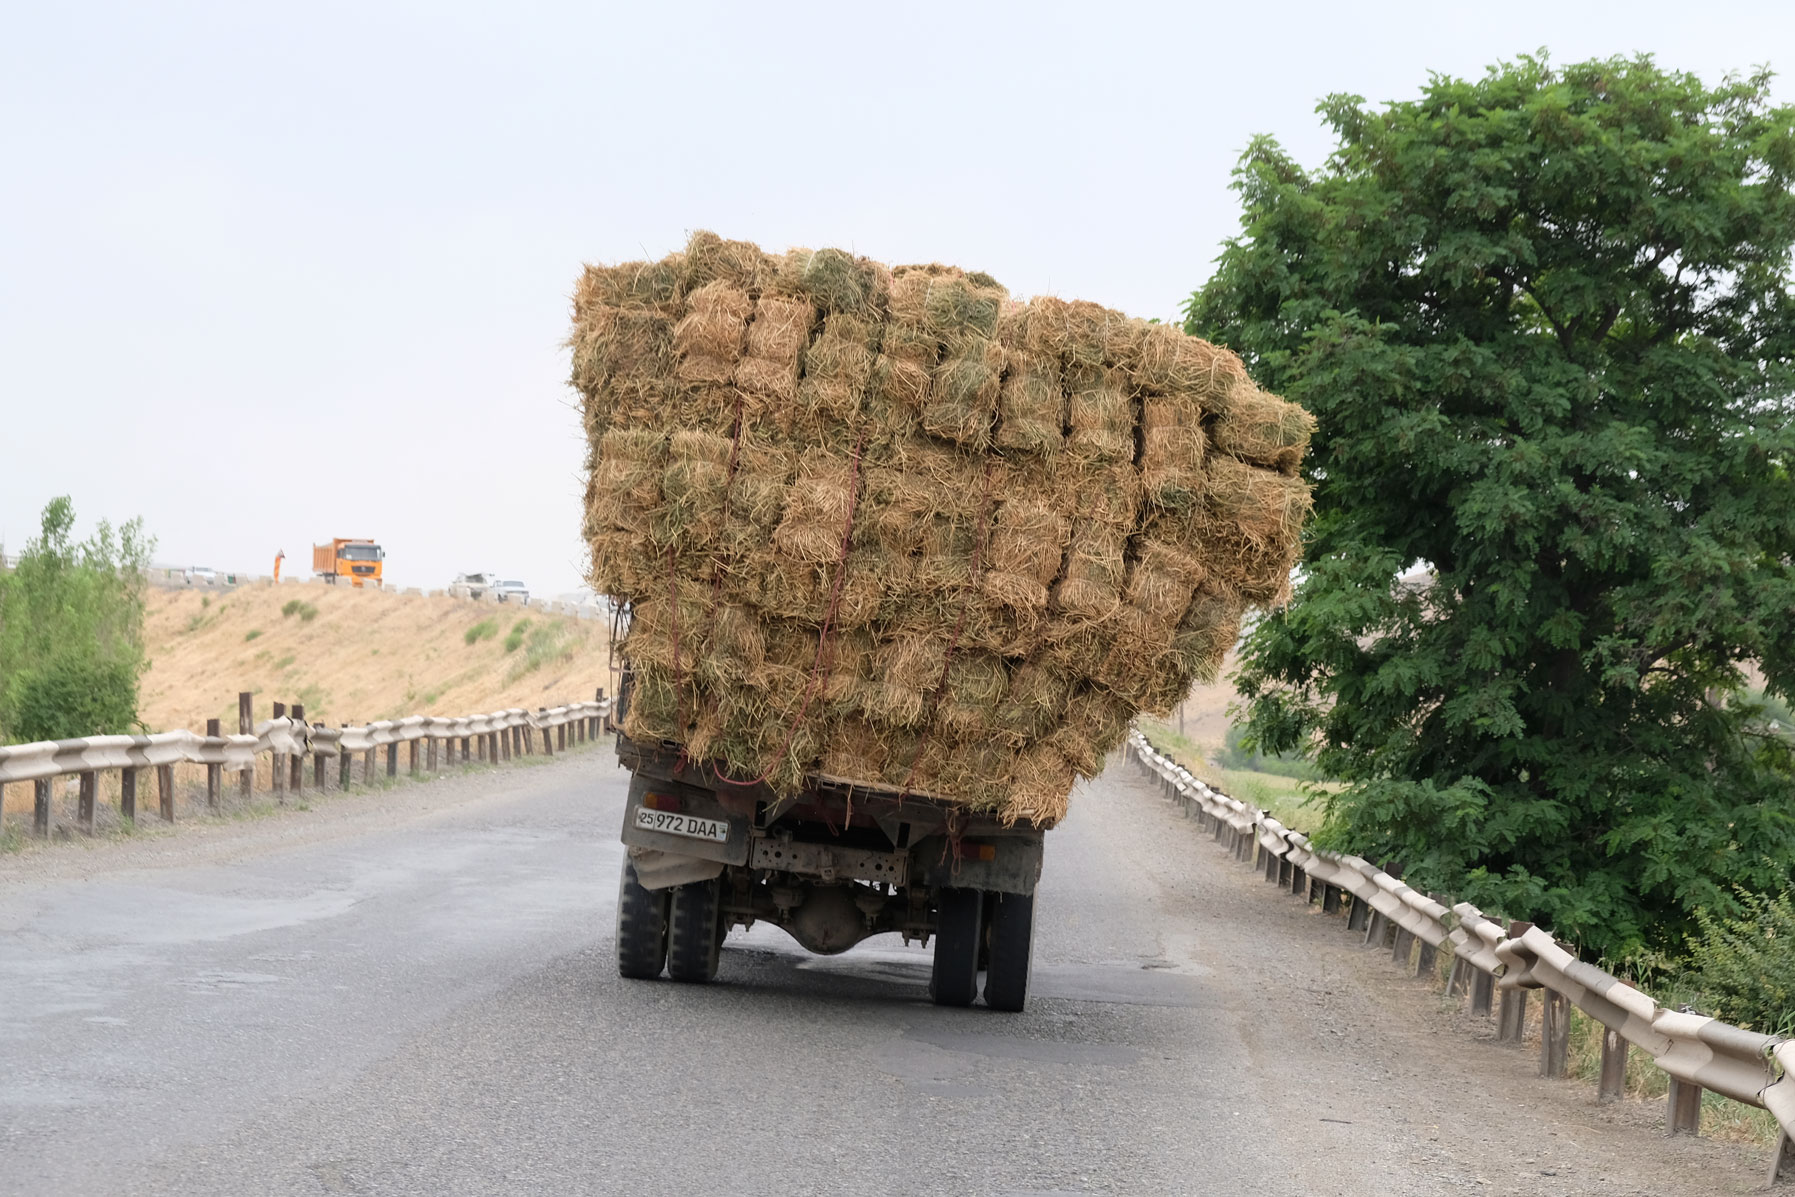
x=418, y=996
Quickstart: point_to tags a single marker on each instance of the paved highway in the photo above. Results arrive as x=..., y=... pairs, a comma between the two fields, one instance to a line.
x=414, y=993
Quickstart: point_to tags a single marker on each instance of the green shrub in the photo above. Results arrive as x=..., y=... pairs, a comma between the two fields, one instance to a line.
x=73, y=697
x=486, y=629
x=546, y=642
x=515, y=639
x=251, y=634
x=1234, y=754
x=301, y=608
x=1742, y=967
x=71, y=630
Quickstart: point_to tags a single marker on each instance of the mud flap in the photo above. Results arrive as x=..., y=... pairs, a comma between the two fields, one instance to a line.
x=656, y=869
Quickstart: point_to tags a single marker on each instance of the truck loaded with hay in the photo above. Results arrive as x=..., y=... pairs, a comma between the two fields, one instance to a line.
x=902, y=557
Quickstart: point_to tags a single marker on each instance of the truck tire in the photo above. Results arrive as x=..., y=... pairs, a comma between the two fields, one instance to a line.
x=692, y=940
x=641, y=927
x=955, y=978
x=1012, y=934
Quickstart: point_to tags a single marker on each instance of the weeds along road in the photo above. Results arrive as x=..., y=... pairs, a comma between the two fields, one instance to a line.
x=414, y=992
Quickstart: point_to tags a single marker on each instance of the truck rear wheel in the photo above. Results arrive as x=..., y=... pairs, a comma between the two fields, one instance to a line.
x=641, y=927
x=693, y=944
x=1012, y=934
x=955, y=980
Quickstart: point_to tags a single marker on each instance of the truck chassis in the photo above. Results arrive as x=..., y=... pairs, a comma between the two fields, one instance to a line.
x=831, y=865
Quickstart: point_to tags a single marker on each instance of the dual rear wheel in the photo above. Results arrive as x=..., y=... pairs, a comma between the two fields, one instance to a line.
x=992, y=929
x=680, y=929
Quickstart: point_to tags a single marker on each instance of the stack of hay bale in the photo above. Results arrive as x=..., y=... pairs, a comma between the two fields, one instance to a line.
x=889, y=526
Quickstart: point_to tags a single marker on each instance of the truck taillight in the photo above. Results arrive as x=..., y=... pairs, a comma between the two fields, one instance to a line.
x=666, y=802
x=978, y=851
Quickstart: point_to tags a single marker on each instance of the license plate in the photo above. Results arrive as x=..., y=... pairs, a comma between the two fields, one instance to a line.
x=687, y=825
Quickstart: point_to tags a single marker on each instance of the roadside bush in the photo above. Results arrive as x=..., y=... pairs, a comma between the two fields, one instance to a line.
x=251, y=634
x=515, y=640
x=546, y=642
x=1233, y=754
x=1742, y=967
x=301, y=608
x=486, y=629
x=71, y=631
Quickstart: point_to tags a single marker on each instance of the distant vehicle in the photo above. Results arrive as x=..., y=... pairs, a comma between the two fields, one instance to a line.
x=513, y=591
x=473, y=586
x=202, y=573
x=358, y=561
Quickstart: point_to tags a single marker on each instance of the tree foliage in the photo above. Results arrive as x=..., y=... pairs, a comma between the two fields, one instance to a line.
x=1545, y=320
x=71, y=631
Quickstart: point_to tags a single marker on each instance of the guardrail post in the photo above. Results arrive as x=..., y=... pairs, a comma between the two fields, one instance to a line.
x=414, y=757
x=40, y=807
x=297, y=760
x=1285, y=869
x=1425, y=959
x=392, y=760
x=467, y=749
x=127, y=793
x=1684, y=1107
x=245, y=726
x=90, y=786
x=1511, y=1016
x=529, y=734
x=548, y=736
x=1554, y=1033
x=214, y=773
x=1374, y=928
x=278, y=761
x=345, y=763
x=318, y=769
x=1355, y=914
x=1330, y=899
x=1299, y=883
x=165, y=791
x=1782, y=1164
x=1483, y=991
x=429, y=754
x=1613, y=1084
x=1402, y=946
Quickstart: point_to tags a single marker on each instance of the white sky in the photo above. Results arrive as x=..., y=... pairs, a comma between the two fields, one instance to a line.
x=271, y=274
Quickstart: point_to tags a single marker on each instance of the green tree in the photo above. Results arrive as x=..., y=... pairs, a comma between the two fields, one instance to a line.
x=1545, y=321
x=71, y=631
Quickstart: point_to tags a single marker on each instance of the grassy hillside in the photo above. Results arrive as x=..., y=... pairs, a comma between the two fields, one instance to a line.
x=354, y=655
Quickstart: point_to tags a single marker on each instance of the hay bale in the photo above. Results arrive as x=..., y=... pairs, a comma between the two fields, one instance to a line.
x=1100, y=413
x=709, y=339
x=1031, y=404
x=775, y=342
x=962, y=398
x=1173, y=449
x=1027, y=547
x=710, y=259
x=1259, y=428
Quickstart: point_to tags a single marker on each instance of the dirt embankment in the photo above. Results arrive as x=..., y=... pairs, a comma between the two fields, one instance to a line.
x=354, y=655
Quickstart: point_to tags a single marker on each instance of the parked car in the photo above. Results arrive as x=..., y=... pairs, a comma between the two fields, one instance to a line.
x=202, y=573
x=513, y=591
x=472, y=586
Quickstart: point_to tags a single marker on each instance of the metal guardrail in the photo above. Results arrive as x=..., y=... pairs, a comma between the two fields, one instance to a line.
x=288, y=740
x=1697, y=1052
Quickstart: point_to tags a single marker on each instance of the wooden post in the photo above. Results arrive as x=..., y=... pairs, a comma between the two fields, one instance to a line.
x=345, y=763
x=165, y=791
x=1330, y=899
x=1425, y=959
x=370, y=762
x=1402, y=946
x=392, y=760
x=467, y=749
x=1511, y=1016
x=298, y=758
x=246, y=726
x=40, y=807
x=430, y=754
x=214, y=773
x=1684, y=1108
x=1374, y=928
x=1284, y=871
x=279, y=761
x=561, y=737
x=1613, y=1084
x=548, y=737
x=318, y=774
x=1455, y=980
x=480, y=747
x=1356, y=914
x=1554, y=1033
x=1782, y=1164
x=90, y=787
x=412, y=751
x=1483, y=991
x=127, y=793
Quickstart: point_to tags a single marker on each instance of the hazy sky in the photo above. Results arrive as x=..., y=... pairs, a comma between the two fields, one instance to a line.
x=271, y=274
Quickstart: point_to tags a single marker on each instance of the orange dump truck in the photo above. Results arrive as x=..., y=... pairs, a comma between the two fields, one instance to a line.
x=357, y=562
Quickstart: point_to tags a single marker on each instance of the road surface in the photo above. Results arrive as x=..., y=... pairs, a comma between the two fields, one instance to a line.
x=414, y=992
